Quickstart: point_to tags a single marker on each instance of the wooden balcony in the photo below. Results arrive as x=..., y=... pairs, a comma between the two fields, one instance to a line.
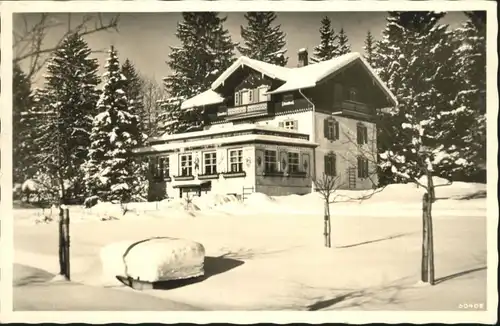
x=354, y=109
x=243, y=111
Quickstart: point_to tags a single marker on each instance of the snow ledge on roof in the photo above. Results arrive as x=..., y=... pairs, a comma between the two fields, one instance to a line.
x=206, y=98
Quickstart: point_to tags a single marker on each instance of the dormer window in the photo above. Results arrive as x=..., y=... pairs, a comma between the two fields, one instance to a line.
x=353, y=94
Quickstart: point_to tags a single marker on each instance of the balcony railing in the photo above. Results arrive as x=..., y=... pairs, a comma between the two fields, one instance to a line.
x=353, y=106
x=244, y=110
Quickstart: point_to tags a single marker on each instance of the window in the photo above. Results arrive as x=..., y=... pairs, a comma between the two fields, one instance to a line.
x=362, y=167
x=244, y=97
x=289, y=124
x=262, y=93
x=331, y=129
x=236, y=98
x=287, y=99
x=331, y=164
x=186, y=165
x=236, y=160
x=210, y=163
x=161, y=168
x=270, y=161
x=353, y=94
x=361, y=134
x=293, y=162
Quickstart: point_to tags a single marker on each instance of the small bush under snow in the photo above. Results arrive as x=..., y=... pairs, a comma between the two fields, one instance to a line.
x=153, y=260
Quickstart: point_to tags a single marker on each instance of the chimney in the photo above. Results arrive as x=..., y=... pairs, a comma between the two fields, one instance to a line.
x=303, y=58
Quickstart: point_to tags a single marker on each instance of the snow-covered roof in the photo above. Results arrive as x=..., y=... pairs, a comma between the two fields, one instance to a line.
x=295, y=78
x=221, y=130
x=273, y=71
x=205, y=98
x=221, y=141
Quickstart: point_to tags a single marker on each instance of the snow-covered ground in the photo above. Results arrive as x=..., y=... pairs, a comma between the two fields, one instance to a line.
x=268, y=253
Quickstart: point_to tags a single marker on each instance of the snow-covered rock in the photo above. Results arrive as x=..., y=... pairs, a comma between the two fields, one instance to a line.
x=153, y=260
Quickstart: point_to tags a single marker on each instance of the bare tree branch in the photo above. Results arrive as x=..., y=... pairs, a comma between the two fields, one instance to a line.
x=29, y=43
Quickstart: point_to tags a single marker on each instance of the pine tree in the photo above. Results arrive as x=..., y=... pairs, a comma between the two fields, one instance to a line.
x=343, y=43
x=261, y=40
x=134, y=91
x=369, y=48
x=471, y=77
x=70, y=88
x=327, y=48
x=417, y=53
x=111, y=171
x=22, y=145
x=206, y=51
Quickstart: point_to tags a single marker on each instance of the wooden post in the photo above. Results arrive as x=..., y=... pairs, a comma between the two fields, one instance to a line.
x=425, y=239
x=66, y=243
x=61, y=242
x=64, y=266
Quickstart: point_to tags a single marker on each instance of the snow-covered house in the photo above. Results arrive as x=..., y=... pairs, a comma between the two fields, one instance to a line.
x=274, y=128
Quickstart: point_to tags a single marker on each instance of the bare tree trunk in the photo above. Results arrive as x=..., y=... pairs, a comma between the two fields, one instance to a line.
x=329, y=225
x=325, y=229
x=425, y=239
x=62, y=262
x=431, y=243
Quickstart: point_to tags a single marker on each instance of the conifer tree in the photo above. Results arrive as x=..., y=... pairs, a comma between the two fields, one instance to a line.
x=22, y=144
x=421, y=143
x=70, y=91
x=134, y=91
x=263, y=41
x=206, y=50
x=111, y=170
x=369, y=48
x=343, y=43
x=470, y=54
x=327, y=48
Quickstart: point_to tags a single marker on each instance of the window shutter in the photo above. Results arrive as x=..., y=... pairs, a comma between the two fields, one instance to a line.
x=327, y=165
x=236, y=98
x=325, y=128
x=256, y=95
x=334, y=164
x=281, y=124
x=337, y=130
x=360, y=167
x=358, y=136
x=365, y=129
x=296, y=124
x=366, y=168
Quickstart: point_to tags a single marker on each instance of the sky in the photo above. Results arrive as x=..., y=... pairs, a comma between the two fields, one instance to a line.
x=145, y=38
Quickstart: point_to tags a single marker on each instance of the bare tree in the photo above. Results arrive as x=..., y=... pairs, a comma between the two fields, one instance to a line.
x=326, y=186
x=153, y=94
x=29, y=39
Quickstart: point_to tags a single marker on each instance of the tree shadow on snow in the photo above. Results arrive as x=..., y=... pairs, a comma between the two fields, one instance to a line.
x=394, y=236
x=212, y=266
x=452, y=276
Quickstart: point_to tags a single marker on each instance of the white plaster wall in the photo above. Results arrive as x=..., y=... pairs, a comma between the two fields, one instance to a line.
x=346, y=149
